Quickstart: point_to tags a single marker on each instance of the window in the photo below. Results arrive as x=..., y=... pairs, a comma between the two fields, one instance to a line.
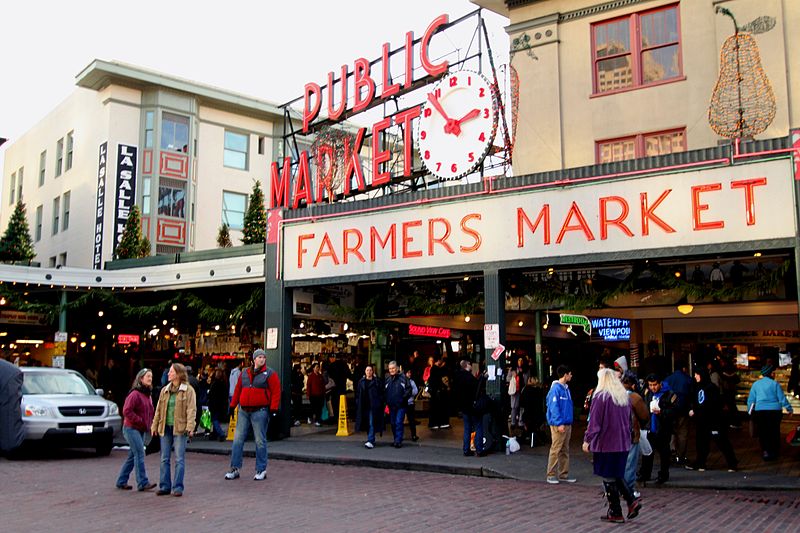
x=20, y=174
x=235, y=155
x=146, y=196
x=642, y=145
x=59, y=156
x=56, y=211
x=13, y=190
x=65, y=221
x=70, y=143
x=42, y=165
x=636, y=50
x=234, y=206
x=38, y=228
x=148, y=129
x=51, y=262
x=175, y=133
x=262, y=142
x=172, y=201
x=62, y=259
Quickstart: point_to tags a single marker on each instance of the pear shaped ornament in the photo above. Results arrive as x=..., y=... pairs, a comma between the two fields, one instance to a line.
x=743, y=103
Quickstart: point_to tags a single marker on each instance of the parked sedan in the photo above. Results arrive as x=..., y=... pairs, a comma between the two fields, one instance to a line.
x=61, y=407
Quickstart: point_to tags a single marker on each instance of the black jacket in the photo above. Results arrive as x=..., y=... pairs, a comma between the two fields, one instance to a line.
x=398, y=390
x=12, y=431
x=369, y=398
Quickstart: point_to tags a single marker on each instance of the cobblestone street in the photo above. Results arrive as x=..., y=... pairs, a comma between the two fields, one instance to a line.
x=72, y=491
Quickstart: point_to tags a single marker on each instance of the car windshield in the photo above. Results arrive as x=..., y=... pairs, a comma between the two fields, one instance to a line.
x=56, y=383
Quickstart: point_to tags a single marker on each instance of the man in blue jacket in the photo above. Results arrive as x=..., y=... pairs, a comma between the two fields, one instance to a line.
x=398, y=391
x=559, y=418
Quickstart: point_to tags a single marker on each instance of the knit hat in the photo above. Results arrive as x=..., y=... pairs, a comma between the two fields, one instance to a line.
x=259, y=352
x=621, y=363
x=766, y=370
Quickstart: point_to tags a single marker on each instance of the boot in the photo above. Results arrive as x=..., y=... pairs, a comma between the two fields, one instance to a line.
x=614, y=513
x=634, y=504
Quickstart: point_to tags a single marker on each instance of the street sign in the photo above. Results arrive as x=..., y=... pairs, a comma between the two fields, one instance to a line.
x=491, y=336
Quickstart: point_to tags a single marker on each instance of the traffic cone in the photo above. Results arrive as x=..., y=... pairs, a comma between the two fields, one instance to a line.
x=344, y=430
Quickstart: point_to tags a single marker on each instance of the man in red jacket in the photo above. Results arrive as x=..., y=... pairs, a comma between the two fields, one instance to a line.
x=258, y=395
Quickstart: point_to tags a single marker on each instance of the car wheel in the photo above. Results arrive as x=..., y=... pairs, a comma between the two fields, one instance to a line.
x=104, y=447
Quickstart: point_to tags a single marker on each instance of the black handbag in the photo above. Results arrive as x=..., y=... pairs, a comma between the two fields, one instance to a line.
x=153, y=446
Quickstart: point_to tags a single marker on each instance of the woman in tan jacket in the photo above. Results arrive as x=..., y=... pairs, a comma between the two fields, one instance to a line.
x=174, y=421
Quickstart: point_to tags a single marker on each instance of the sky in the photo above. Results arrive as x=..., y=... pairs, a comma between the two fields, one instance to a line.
x=263, y=49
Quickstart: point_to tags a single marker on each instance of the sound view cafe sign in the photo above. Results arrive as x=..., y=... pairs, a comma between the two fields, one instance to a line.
x=301, y=188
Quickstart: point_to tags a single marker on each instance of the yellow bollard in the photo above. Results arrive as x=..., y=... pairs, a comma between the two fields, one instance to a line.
x=232, y=425
x=344, y=430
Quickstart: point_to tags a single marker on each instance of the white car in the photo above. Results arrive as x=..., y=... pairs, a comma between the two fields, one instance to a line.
x=61, y=407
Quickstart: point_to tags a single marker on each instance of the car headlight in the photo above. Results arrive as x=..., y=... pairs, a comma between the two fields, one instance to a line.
x=35, y=410
x=113, y=409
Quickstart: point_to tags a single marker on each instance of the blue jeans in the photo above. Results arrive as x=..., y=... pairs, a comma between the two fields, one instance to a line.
x=396, y=417
x=168, y=440
x=371, y=430
x=630, y=467
x=135, y=440
x=216, y=427
x=259, y=420
x=473, y=423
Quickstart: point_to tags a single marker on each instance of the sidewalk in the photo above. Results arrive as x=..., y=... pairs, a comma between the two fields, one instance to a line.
x=440, y=451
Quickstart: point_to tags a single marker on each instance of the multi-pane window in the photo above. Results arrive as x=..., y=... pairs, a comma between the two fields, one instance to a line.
x=146, y=196
x=38, y=227
x=20, y=174
x=70, y=145
x=235, y=154
x=13, y=190
x=642, y=145
x=234, y=205
x=65, y=206
x=42, y=166
x=56, y=213
x=174, y=133
x=148, y=129
x=637, y=50
x=172, y=201
x=59, y=156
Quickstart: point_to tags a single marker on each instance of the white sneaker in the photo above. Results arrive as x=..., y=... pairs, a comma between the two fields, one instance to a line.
x=296, y=423
x=444, y=426
x=369, y=445
x=260, y=476
x=233, y=473
x=317, y=424
x=552, y=480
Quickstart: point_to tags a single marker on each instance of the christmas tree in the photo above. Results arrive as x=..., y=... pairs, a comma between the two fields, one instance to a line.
x=131, y=245
x=224, y=237
x=255, y=219
x=16, y=244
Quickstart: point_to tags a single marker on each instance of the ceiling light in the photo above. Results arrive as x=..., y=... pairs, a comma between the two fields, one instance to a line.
x=174, y=307
x=100, y=313
x=685, y=309
x=108, y=326
x=467, y=318
x=757, y=254
x=520, y=323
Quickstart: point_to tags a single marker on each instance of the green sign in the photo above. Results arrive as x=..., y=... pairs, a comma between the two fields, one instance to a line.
x=576, y=320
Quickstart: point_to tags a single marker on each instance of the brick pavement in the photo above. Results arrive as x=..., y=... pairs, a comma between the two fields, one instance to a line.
x=71, y=491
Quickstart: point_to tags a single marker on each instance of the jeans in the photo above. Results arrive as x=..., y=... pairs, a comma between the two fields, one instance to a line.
x=259, y=420
x=630, y=467
x=168, y=440
x=473, y=423
x=371, y=430
x=396, y=416
x=216, y=427
x=135, y=440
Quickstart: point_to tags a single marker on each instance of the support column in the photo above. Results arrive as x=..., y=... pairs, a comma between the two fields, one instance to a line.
x=495, y=313
x=539, y=358
x=62, y=312
x=278, y=315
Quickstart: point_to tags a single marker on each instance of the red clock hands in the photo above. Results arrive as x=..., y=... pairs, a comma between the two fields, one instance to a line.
x=456, y=127
x=450, y=126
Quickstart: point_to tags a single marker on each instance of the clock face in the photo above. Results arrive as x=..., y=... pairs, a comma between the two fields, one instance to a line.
x=457, y=124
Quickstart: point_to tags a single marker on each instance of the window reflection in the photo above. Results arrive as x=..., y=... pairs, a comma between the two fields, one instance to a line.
x=171, y=202
x=175, y=133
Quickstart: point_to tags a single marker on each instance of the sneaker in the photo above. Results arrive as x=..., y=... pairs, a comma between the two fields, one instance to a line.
x=567, y=479
x=124, y=487
x=694, y=467
x=149, y=486
x=552, y=480
x=637, y=494
x=296, y=423
x=177, y=494
x=434, y=427
x=445, y=426
x=369, y=445
x=633, y=508
x=317, y=424
x=233, y=473
x=161, y=492
x=260, y=476
x=733, y=469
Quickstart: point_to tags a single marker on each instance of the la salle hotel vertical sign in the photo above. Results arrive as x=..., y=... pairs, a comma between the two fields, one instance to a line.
x=100, y=205
x=126, y=188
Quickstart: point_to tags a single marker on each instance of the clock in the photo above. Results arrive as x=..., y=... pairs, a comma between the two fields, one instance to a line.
x=457, y=124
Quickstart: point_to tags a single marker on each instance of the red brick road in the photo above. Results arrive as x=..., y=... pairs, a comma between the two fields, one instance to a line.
x=74, y=492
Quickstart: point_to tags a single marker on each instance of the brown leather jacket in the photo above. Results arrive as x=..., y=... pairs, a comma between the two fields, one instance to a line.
x=639, y=415
x=185, y=410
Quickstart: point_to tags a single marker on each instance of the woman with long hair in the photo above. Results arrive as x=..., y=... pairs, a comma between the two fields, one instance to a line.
x=608, y=437
x=138, y=415
x=174, y=421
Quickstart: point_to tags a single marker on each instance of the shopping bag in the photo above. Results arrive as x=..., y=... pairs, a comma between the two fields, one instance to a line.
x=325, y=415
x=644, y=444
x=205, y=419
